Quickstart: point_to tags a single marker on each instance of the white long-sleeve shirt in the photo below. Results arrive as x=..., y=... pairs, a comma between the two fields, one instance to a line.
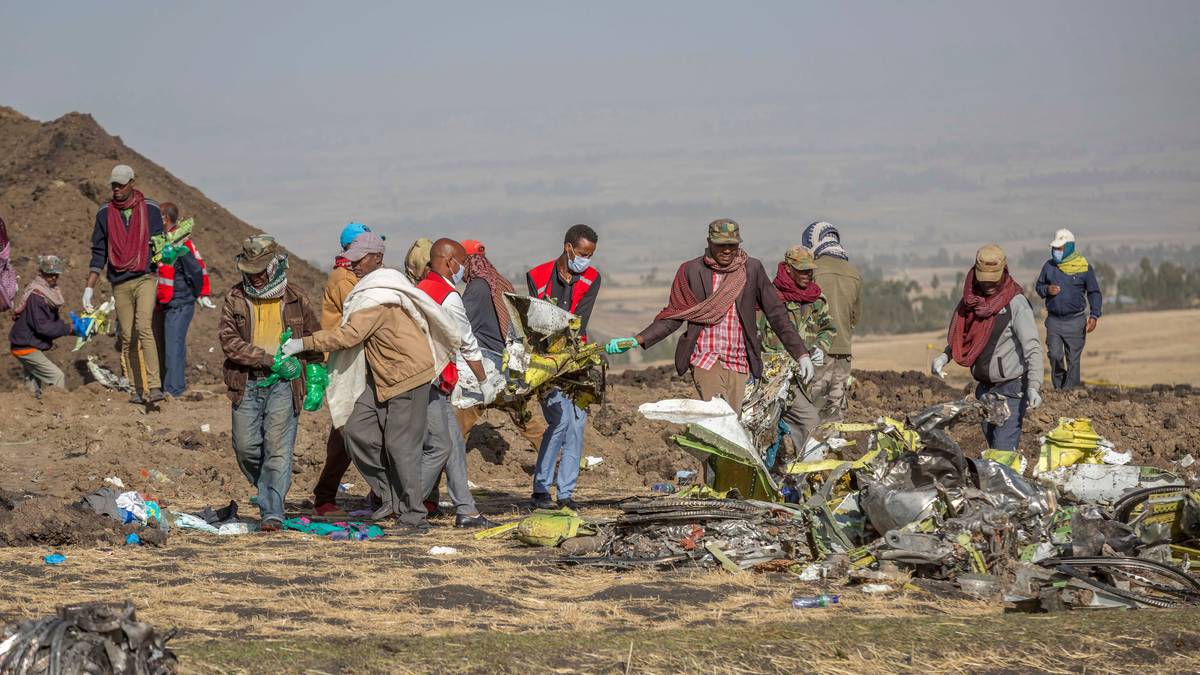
x=453, y=304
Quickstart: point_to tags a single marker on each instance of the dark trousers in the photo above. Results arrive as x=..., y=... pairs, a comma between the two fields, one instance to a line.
x=175, y=322
x=385, y=441
x=1065, y=337
x=1006, y=436
x=337, y=462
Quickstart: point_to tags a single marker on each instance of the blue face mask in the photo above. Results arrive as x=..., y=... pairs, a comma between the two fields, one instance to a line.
x=579, y=263
x=458, y=276
x=1057, y=255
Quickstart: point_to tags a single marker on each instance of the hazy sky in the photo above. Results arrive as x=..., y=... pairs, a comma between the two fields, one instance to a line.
x=908, y=124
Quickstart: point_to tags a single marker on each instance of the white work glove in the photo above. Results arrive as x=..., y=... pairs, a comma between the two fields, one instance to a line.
x=939, y=365
x=206, y=302
x=818, y=357
x=87, y=300
x=293, y=347
x=806, y=369
x=489, y=392
x=1033, y=399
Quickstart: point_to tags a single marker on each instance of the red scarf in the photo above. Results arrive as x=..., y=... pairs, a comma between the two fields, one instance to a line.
x=479, y=267
x=971, y=324
x=683, y=305
x=342, y=263
x=129, y=246
x=790, y=292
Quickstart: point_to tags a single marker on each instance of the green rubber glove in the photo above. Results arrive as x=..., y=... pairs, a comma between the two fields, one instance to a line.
x=620, y=345
x=286, y=368
x=316, y=379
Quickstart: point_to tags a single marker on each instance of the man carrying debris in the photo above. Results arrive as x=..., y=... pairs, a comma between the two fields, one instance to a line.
x=1072, y=294
x=36, y=325
x=390, y=345
x=266, y=411
x=445, y=448
x=843, y=286
x=992, y=333
x=570, y=282
x=483, y=298
x=121, y=244
x=808, y=310
x=182, y=282
x=719, y=295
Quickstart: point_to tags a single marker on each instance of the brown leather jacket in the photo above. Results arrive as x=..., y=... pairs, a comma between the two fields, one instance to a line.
x=243, y=359
x=758, y=294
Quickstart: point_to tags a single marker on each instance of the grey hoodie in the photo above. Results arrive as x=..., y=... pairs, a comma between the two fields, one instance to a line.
x=1019, y=350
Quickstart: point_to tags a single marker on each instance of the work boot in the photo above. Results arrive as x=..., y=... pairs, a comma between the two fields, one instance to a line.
x=156, y=396
x=541, y=500
x=404, y=530
x=381, y=513
x=136, y=398
x=569, y=503
x=464, y=521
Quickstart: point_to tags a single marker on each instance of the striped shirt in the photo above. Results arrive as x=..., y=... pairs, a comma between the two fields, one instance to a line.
x=722, y=341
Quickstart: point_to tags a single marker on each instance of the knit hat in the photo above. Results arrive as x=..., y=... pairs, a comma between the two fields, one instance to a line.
x=49, y=264
x=990, y=263
x=1061, y=238
x=724, y=231
x=800, y=258
x=257, y=252
x=349, y=232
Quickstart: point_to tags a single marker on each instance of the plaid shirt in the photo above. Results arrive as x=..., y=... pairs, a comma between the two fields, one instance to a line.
x=723, y=340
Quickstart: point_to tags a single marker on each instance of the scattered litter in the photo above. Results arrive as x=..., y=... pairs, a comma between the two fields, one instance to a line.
x=1186, y=461
x=684, y=477
x=54, y=559
x=155, y=475
x=443, y=550
x=814, y=601
x=106, y=377
x=591, y=461
x=87, y=638
x=341, y=531
x=345, y=487
x=663, y=488
x=115, y=482
x=133, y=539
x=876, y=588
x=205, y=428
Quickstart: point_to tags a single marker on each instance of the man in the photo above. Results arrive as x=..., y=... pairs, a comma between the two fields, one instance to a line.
x=570, y=282
x=719, y=295
x=445, y=448
x=483, y=298
x=992, y=333
x=121, y=244
x=1069, y=286
x=341, y=281
x=416, y=261
x=182, y=283
x=808, y=310
x=265, y=416
x=36, y=325
x=379, y=374
x=843, y=286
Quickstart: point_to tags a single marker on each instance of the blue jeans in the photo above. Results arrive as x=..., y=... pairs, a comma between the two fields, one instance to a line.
x=176, y=320
x=264, y=434
x=563, y=437
x=1005, y=436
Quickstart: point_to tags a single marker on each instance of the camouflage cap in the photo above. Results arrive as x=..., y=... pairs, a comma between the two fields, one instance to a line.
x=724, y=231
x=49, y=264
x=257, y=253
x=990, y=263
x=800, y=258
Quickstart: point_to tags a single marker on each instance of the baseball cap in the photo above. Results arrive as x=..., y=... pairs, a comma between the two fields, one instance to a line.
x=49, y=264
x=724, y=231
x=362, y=246
x=990, y=263
x=349, y=232
x=1062, y=238
x=800, y=258
x=121, y=174
x=473, y=246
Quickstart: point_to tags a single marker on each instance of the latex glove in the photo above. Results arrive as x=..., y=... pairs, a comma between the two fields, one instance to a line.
x=292, y=347
x=620, y=345
x=818, y=357
x=1033, y=399
x=489, y=392
x=806, y=369
x=168, y=255
x=939, y=365
x=87, y=299
x=206, y=302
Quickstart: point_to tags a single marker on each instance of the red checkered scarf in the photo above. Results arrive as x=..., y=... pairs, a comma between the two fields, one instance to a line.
x=479, y=267
x=129, y=247
x=683, y=305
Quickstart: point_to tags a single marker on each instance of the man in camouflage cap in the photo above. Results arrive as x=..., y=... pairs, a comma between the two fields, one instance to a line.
x=37, y=324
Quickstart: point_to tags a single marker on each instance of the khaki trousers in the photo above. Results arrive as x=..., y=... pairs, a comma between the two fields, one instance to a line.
x=40, y=371
x=730, y=384
x=135, y=313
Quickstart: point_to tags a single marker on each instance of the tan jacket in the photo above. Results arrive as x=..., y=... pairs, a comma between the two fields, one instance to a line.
x=843, y=287
x=337, y=287
x=396, y=350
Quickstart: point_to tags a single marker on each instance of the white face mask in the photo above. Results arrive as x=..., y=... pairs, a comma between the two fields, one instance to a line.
x=579, y=263
x=458, y=276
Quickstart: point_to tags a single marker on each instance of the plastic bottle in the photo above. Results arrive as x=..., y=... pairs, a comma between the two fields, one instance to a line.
x=814, y=601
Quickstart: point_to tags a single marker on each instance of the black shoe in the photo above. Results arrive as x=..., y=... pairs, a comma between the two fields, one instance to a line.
x=569, y=503
x=381, y=513
x=477, y=520
x=156, y=396
x=136, y=398
x=541, y=500
x=404, y=530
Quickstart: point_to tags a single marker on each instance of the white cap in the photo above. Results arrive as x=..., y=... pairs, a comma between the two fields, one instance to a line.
x=121, y=174
x=1061, y=238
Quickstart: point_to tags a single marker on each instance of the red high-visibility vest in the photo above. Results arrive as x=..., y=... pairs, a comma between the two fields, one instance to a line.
x=543, y=274
x=439, y=289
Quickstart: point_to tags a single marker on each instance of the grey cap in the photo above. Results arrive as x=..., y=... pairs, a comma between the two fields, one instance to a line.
x=362, y=246
x=121, y=174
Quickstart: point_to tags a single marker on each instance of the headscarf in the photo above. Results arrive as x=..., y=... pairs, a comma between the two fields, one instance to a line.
x=971, y=324
x=790, y=292
x=823, y=239
x=39, y=285
x=479, y=267
x=683, y=305
x=276, y=280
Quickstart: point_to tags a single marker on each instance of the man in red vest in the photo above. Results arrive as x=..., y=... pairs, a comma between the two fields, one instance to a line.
x=445, y=447
x=571, y=283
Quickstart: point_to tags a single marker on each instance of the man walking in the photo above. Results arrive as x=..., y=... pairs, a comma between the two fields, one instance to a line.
x=182, y=283
x=843, y=287
x=121, y=244
x=265, y=412
x=570, y=282
x=719, y=295
x=1072, y=294
x=36, y=325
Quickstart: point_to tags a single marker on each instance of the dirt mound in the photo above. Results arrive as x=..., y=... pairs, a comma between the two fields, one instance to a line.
x=50, y=521
x=53, y=178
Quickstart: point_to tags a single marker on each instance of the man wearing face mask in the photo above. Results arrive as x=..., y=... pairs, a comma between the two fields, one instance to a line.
x=992, y=333
x=1072, y=294
x=572, y=283
x=719, y=295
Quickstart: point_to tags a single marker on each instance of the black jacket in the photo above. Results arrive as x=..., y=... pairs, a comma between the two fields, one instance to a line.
x=37, y=326
x=99, y=260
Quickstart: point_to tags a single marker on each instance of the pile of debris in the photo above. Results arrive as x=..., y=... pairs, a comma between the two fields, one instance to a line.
x=88, y=638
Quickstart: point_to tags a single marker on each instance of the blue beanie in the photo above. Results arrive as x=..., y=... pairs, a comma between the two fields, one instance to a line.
x=351, y=231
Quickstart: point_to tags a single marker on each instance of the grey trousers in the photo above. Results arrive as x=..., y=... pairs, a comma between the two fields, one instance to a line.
x=803, y=418
x=40, y=371
x=445, y=448
x=384, y=441
x=1064, y=345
